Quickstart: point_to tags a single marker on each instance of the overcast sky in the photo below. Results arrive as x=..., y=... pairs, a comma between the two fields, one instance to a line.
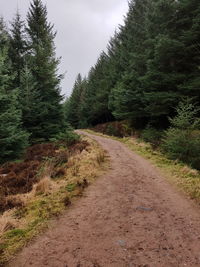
x=83, y=29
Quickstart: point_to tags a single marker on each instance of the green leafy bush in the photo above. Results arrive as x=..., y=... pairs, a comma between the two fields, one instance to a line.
x=68, y=136
x=152, y=136
x=111, y=130
x=182, y=139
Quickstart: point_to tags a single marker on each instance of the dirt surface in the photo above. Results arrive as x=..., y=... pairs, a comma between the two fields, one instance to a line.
x=130, y=217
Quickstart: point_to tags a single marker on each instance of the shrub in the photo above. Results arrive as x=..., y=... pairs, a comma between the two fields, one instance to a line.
x=182, y=139
x=69, y=137
x=152, y=136
x=111, y=130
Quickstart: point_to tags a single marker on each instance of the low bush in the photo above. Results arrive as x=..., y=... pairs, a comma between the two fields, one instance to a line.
x=115, y=128
x=68, y=137
x=112, y=130
x=152, y=136
x=182, y=139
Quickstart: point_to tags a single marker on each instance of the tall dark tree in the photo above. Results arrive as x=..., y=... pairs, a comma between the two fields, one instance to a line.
x=97, y=92
x=126, y=99
x=17, y=48
x=4, y=48
x=73, y=104
x=188, y=21
x=13, y=139
x=163, y=60
x=43, y=65
x=30, y=100
x=4, y=35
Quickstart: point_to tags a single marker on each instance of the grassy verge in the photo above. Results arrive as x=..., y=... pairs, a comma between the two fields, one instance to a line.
x=81, y=170
x=184, y=177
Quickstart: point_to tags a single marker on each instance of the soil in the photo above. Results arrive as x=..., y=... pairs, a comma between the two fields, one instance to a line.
x=130, y=217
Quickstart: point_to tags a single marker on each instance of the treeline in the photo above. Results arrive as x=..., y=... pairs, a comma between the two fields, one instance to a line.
x=30, y=99
x=151, y=64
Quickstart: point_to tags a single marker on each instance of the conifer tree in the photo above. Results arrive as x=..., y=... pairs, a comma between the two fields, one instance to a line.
x=188, y=21
x=4, y=35
x=97, y=92
x=43, y=66
x=13, y=139
x=126, y=99
x=17, y=49
x=73, y=104
x=4, y=47
x=30, y=101
x=163, y=56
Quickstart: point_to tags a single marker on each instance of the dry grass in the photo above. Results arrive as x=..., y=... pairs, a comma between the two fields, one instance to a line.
x=45, y=186
x=7, y=222
x=100, y=157
x=49, y=198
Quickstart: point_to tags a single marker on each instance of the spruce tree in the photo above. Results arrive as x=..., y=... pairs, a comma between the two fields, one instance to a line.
x=163, y=57
x=4, y=35
x=43, y=65
x=188, y=23
x=98, y=90
x=126, y=99
x=13, y=139
x=4, y=48
x=30, y=101
x=73, y=104
x=17, y=49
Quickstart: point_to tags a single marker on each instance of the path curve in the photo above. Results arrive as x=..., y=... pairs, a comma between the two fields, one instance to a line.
x=130, y=217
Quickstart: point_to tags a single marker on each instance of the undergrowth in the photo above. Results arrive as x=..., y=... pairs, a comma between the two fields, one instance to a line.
x=48, y=199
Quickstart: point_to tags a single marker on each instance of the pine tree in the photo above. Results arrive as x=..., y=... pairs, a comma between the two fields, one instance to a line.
x=163, y=57
x=73, y=104
x=13, y=139
x=97, y=92
x=4, y=48
x=43, y=65
x=188, y=23
x=126, y=99
x=4, y=35
x=17, y=50
x=30, y=101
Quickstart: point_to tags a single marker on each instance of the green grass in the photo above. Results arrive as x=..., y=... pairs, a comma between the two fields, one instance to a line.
x=71, y=187
x=37, y=213
x=184, y=177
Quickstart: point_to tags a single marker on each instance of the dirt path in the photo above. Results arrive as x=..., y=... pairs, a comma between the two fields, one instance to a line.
x=130, y=217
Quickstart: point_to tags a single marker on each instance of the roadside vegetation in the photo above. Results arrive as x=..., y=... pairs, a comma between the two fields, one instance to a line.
x=185, y=177
x=44, y=164
x=176, y=151
x=59, y=174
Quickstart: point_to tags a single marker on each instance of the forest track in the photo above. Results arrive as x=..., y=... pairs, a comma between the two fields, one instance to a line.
x=130, y=217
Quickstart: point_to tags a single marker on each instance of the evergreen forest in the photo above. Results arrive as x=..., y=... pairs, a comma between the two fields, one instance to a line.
x=30, y=99
x=148, y=78
x=151, y=64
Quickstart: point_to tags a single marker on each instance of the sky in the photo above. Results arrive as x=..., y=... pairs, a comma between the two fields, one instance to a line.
x=83, y=27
